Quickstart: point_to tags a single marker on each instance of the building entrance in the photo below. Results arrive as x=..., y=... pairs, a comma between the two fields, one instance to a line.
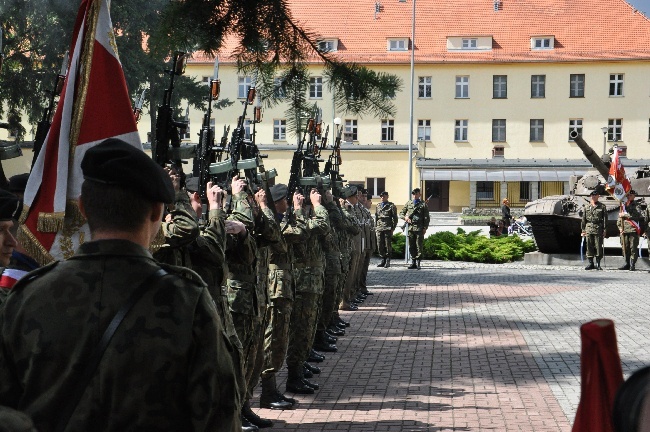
x=438, y=191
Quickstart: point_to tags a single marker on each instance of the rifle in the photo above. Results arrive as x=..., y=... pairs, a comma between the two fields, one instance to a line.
x=167, y=129
x=205, y=149
x=137, y=108
x=311, y=175
x=43, y=126
x=332, y=166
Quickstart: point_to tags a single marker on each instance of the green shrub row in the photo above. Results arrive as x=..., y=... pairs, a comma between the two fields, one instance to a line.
x=472, y=246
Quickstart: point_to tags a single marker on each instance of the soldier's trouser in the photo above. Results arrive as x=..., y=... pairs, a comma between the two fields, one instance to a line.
x=384, y=243
x=364, y=272
x=330, y=287
x=358, y=272
x=416, y=239
x=257, y=351
x=630, y=245
x=276, y=338
x=244, y=325
x=594, y=245
x=345, y=267
x=351, y=279
x=301, y=330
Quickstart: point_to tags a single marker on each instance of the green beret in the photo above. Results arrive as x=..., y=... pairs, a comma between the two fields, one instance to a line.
x=115, y=162
x=278, y=191
x=10, y=206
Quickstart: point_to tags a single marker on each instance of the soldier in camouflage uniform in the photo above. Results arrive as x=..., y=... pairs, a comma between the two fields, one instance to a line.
x=365, y=203
x=346, y=237
x=308, y=277
x=10, y=209
x=351, y=280
x=416, y=214
x=168, y=366
x=594, y=221
x=629, y=226
x=281, y=295
x=385, y=223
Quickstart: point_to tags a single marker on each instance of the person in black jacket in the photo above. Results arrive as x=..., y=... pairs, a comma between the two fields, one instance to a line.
x=505, y=213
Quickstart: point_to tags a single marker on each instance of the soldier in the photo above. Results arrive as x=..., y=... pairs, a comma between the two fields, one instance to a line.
x=629, y=226
x=370, y=243
x=594, y=222
x=167, y=366
x=385, y=223
x=346, y=242
x=349, y=290
x=416, y=214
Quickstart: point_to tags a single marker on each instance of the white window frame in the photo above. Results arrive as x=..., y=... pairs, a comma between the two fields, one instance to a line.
x=350, y=130
x=469, y=43
x=372, y=185
x=462, y=86
x=397, y=44
x=500, y=87
x=616, y=85
x=277, y=88
x=499, y=129
x=575, y=81
x=244, y=83
x=424, y=130
x=536, y=130
x=328, y=45
x=387, y=130
x=424, y=87
x=316, y=87
x=537, y=83
x=279, y=130
x=575, y=124
x=615, y=130
x=461, y=128
x=248, y=125
x=542, y=43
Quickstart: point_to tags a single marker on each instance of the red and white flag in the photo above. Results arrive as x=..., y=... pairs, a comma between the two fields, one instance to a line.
x=94, y=106
x=9, y=277
x=617, y=184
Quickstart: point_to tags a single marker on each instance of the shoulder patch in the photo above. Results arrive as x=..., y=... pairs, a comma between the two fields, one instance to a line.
x=34, y=274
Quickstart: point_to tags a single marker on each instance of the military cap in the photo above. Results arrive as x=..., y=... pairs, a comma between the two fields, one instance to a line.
x=383, y=193
x=414, y=191
x=115, y=162
x=192, y=184
x=18, y=183
x=594, y=192
x=632, y=192
x=10, y=206
x=348, y=191
x=278, y=191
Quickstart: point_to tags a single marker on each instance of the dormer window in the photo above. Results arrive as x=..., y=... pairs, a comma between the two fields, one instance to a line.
x=470, y=43
x=398, y=44
x=328, y=45
x=475, y=43
x=542, y=43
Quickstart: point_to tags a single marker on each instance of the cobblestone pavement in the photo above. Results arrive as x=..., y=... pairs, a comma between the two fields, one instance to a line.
x=470, y=347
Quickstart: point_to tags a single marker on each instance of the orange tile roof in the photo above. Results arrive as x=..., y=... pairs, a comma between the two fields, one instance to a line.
x=583, y=29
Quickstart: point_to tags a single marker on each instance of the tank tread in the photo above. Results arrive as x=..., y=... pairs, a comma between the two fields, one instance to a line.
x=545, y=234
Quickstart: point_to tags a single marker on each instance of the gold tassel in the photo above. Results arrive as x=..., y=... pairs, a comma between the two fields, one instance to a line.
x=33, y=247
x=50, y=222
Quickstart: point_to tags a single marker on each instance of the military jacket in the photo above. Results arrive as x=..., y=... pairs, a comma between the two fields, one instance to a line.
x=182, y=230
x=310, y=253
x=594, y=218
x=268, y=232
x=332, y=244
x=632, y=221
x=281, y=257
x=418, y=213
x=385, y=216
x=168, y=366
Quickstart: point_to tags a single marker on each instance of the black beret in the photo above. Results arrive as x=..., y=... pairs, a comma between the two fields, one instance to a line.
x=278, y=191
x=115, y=162
x=192, y=184
x=383, y=193
x=414, y=191
x=18, y=183
x=369, y=196
x=594, y=192
x=10, y=206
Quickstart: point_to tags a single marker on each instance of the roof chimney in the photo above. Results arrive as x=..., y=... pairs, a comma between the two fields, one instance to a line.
x=497, y=5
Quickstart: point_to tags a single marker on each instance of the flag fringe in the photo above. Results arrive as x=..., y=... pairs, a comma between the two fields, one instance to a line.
x=33, y=247
x=50, y=222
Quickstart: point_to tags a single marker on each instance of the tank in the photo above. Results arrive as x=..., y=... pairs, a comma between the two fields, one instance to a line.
x=555, y=220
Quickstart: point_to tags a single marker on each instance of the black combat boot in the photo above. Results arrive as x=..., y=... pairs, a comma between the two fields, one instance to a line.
x=387, y=263
x=382, y=263
x=271, y=397
x=295, y=382
x=413, y=265
x=258, y=421
x=633, y=265
x=598, y=267
x=247, y=426
x=310, y=384
x=591, y=265
x=315, y=357
x=627, y=264
x=313, y=369
x=419, y=264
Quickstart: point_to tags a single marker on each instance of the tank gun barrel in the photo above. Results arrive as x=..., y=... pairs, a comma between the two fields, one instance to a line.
x=590, y=154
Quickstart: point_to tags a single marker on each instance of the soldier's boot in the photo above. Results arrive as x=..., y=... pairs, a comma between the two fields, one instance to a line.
x=295, y=382
x=253, y=418
x=271, y=397
x=387, y=263
x=413, y=265
x=247, y=426
x=382, y=263
x=633, y=265
x=591, y=265
x=626, y=266
x=419, y=264
x=598, y=267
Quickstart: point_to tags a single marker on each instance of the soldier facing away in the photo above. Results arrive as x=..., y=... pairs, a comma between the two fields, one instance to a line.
x=594, y=220
x=385, y=223
x=168, y=365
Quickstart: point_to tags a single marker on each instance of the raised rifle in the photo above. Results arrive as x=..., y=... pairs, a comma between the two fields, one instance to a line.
x=334, y=162
x=296, y=168
x=206, y=150
x=137, y=108
x=43, y=126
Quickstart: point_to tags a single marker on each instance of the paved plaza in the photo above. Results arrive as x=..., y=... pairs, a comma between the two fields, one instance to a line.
x=470, y=347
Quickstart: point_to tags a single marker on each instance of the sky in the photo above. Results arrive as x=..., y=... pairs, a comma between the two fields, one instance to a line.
x=642, y=5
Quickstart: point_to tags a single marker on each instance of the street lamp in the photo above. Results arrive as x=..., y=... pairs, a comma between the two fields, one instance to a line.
x=604, y=129
x=410, y=184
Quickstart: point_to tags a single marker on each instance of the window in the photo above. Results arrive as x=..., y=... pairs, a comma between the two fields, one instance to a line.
x=277, y=88
x=484, y=191
x=462, y=87
x=616, y=85
x=247, y=128
x=538, y=86
x=577, y=86
x=499, y=86
x=498, y=151
x=328, y=45
x=622, y=151
x=536, y=130
x=279, y=129
x=205, y=80
x=542, y=43
x=460, y=130
x=376, y=185
x=316, y=87
x=387, y=130
x=398, y=44
x=498, y=130
x=470, y=43
x=615, y=131
x=350, y=131
x=524, y=191
x=185, y=133
x=244, y=83
x=424, y=130
x=575, y=124
x=424, y=87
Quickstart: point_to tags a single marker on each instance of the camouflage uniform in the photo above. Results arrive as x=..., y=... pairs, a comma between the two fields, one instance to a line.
x=331, y=247
x=594, y=220
x=629, y=233
x=370, y=247
x=181, y=231
x=168, y=366
x=346, y=235
x=419, y=215
x=385, y=223
x=355, y=252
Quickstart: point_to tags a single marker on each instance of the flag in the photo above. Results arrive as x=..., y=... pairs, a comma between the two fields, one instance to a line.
x=636, y=226
x=617, y=176
x=9, y=277
x=94, y=106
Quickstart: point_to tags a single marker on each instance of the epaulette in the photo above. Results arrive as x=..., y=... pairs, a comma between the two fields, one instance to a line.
x=34, y=274
x=183, y=272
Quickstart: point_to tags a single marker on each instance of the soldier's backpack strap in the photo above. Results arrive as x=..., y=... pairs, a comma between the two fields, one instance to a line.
x=98, y=352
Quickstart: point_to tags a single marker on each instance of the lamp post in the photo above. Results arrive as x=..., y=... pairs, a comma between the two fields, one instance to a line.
x=604, y=129
x=410, y=161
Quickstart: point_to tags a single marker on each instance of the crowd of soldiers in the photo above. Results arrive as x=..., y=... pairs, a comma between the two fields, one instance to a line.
x=195, y=318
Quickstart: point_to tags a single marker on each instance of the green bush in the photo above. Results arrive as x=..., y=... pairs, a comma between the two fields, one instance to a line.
x=472, y=246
